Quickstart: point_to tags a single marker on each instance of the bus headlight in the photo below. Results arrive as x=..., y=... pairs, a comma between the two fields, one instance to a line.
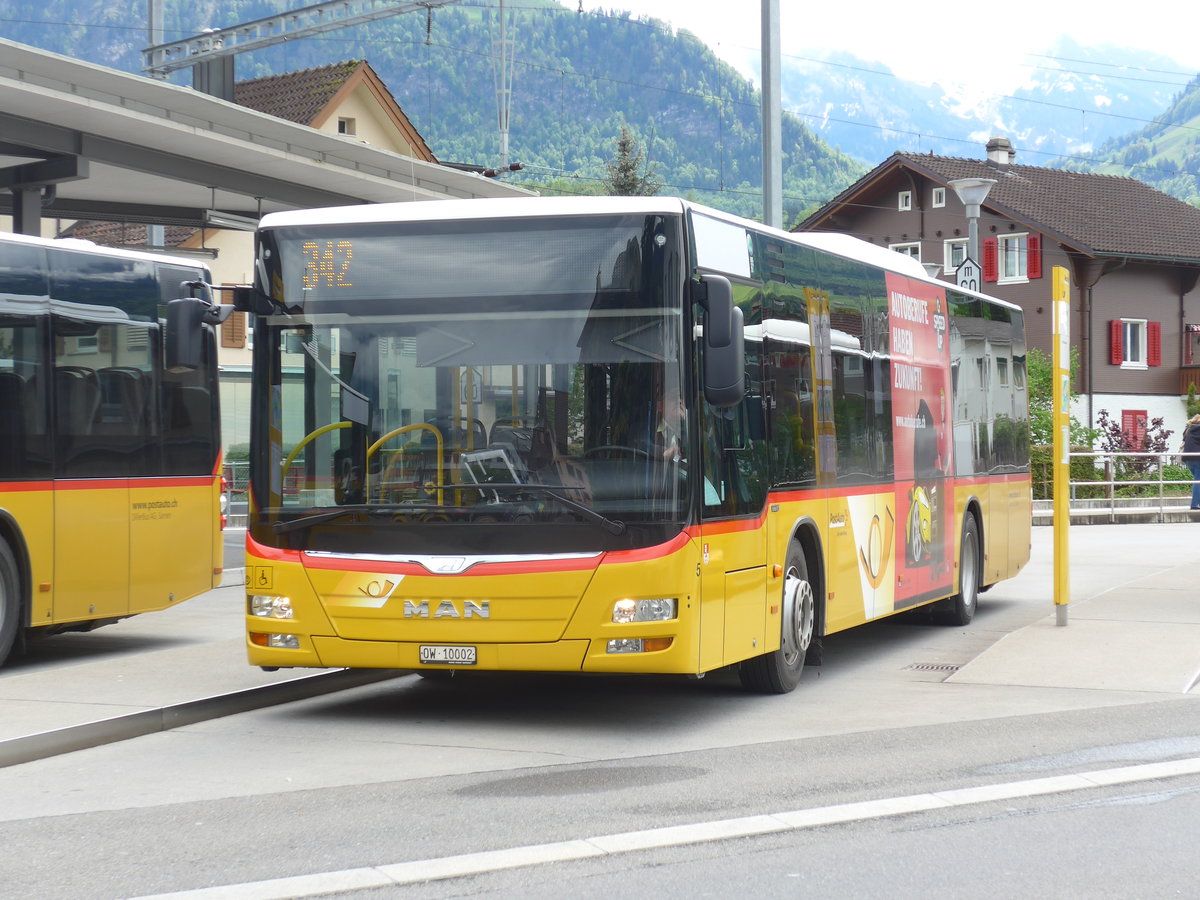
x=268, y=607
x=659, y=609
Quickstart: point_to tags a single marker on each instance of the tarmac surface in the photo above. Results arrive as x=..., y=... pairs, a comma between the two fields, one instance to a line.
x=1133, y=624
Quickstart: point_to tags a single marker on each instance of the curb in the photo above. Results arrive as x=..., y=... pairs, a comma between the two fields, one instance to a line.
x=108, y=731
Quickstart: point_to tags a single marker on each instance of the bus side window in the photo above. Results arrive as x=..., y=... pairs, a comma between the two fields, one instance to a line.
x=735, y=450
x=791, y=412
x=26, y=445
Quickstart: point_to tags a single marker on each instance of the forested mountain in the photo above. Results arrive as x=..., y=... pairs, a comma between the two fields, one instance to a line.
x=1165, y=153
x=577, y=77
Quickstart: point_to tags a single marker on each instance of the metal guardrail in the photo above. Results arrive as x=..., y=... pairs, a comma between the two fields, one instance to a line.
x=237, y=479
x=1150, y=477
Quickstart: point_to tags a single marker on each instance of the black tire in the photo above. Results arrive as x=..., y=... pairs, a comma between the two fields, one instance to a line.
x=778, y=672
x=960, y=609
x=10, y=600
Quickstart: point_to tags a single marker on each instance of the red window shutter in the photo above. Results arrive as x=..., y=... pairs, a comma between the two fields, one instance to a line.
x=1129, y=425
x=991, y=261
x=1034, y=262
x=1133, y=426
x=1154, y=343
x=1116, y=349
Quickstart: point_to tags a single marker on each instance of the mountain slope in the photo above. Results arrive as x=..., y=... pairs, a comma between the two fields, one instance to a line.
x=1073, y=100
x=1165, y=154
x=576, y=79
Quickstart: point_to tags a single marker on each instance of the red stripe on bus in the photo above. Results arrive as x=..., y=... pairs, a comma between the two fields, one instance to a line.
x=104, y=484
x=101, y=484
x=17, y=487
x=516, y=567
x=658, y=551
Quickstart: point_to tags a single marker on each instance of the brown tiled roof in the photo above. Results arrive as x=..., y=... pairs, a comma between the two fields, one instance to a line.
x=295, y=96
x=1100, y=215
x=122, y=234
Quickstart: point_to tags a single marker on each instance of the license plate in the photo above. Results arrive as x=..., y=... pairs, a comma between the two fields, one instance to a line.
x=447, y=655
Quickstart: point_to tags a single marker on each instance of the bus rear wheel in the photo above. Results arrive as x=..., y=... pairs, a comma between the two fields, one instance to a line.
x=960, y=609
x=779, y=672
x=10, y=600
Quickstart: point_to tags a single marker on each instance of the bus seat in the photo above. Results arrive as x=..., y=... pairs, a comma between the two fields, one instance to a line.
x=123, y=397
x=190, y=407
x=518, y=437
x=77, y=398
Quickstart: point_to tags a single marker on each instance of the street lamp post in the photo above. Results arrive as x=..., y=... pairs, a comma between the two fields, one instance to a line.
x=972, y=192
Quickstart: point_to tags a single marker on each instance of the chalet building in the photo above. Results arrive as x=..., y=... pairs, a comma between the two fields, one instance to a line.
x=1133, y=254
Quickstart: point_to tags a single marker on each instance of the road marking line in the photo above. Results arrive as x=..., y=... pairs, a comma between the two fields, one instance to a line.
x=423, y=870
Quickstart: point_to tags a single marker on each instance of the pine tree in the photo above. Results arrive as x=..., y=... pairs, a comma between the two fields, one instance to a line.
x=629, y=174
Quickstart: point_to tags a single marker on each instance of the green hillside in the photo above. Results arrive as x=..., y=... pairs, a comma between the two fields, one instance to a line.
x=1165, y=154
x=577, y=78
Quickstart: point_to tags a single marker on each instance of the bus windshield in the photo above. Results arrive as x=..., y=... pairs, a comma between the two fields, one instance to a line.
x=420, y=407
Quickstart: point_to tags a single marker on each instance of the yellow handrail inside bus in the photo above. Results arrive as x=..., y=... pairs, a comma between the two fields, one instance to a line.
x=437, y=434
x=291, y=457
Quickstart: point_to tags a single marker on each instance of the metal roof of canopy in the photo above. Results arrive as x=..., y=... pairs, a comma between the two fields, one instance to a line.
x=123, y=147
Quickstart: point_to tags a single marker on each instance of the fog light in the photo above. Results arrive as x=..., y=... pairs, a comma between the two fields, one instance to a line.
x=268, y=607
x=658, y=609
x=625, y=645
x=282, y=641
x=639, y=645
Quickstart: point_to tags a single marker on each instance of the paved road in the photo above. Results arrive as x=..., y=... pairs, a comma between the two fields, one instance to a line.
x=408, y=770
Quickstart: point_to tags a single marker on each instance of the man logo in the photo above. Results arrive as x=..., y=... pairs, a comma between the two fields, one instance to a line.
x=874, y=558
x=446, y=609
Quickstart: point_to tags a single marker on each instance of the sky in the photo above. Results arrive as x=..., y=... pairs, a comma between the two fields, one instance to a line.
x=995, y=63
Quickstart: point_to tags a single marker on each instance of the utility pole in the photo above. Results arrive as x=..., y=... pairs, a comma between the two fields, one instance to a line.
x=502, y=70
x=156, y=235
x=772, y=138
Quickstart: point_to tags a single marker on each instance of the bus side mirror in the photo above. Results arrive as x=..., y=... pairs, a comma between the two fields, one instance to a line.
x=185, y=332
x=724, y=350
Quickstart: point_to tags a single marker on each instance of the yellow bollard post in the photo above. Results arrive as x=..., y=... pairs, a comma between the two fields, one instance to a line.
x=1061, y=280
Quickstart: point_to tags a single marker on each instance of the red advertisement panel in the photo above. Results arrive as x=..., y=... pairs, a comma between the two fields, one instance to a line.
x=922, y=438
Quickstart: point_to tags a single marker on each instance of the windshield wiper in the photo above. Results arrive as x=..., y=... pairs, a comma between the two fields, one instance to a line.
x=612, y=526
x=368, y=508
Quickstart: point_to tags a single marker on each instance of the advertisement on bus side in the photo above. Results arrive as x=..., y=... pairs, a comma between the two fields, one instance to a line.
x=921, y=432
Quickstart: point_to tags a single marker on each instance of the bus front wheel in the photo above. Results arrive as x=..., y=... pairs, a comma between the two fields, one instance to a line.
x=779, y=671
x=10, y=600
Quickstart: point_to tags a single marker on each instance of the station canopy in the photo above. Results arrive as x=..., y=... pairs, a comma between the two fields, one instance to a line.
x=82, y=141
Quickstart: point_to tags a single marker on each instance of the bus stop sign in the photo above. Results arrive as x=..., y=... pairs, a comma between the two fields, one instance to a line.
x=968, y=275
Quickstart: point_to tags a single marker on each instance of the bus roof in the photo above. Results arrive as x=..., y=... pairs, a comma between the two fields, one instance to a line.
x=837, y=244
x=491, y=208
x=82, y=246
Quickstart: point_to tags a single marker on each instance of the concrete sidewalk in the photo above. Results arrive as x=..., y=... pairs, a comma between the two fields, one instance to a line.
x=145, y=674
x=1133, y=625
x=1139, y=632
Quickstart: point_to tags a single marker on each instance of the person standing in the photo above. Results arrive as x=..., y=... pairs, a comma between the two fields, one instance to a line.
x=1191, y=450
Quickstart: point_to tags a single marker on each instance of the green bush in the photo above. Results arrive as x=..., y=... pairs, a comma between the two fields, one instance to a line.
x=1193, y=405
x=1041, y=462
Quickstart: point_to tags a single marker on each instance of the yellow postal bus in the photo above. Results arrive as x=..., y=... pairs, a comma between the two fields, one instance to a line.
x=615, y=435
x=110, y=484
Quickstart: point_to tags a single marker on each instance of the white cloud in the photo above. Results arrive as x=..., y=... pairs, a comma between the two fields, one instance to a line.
x=985, y=57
